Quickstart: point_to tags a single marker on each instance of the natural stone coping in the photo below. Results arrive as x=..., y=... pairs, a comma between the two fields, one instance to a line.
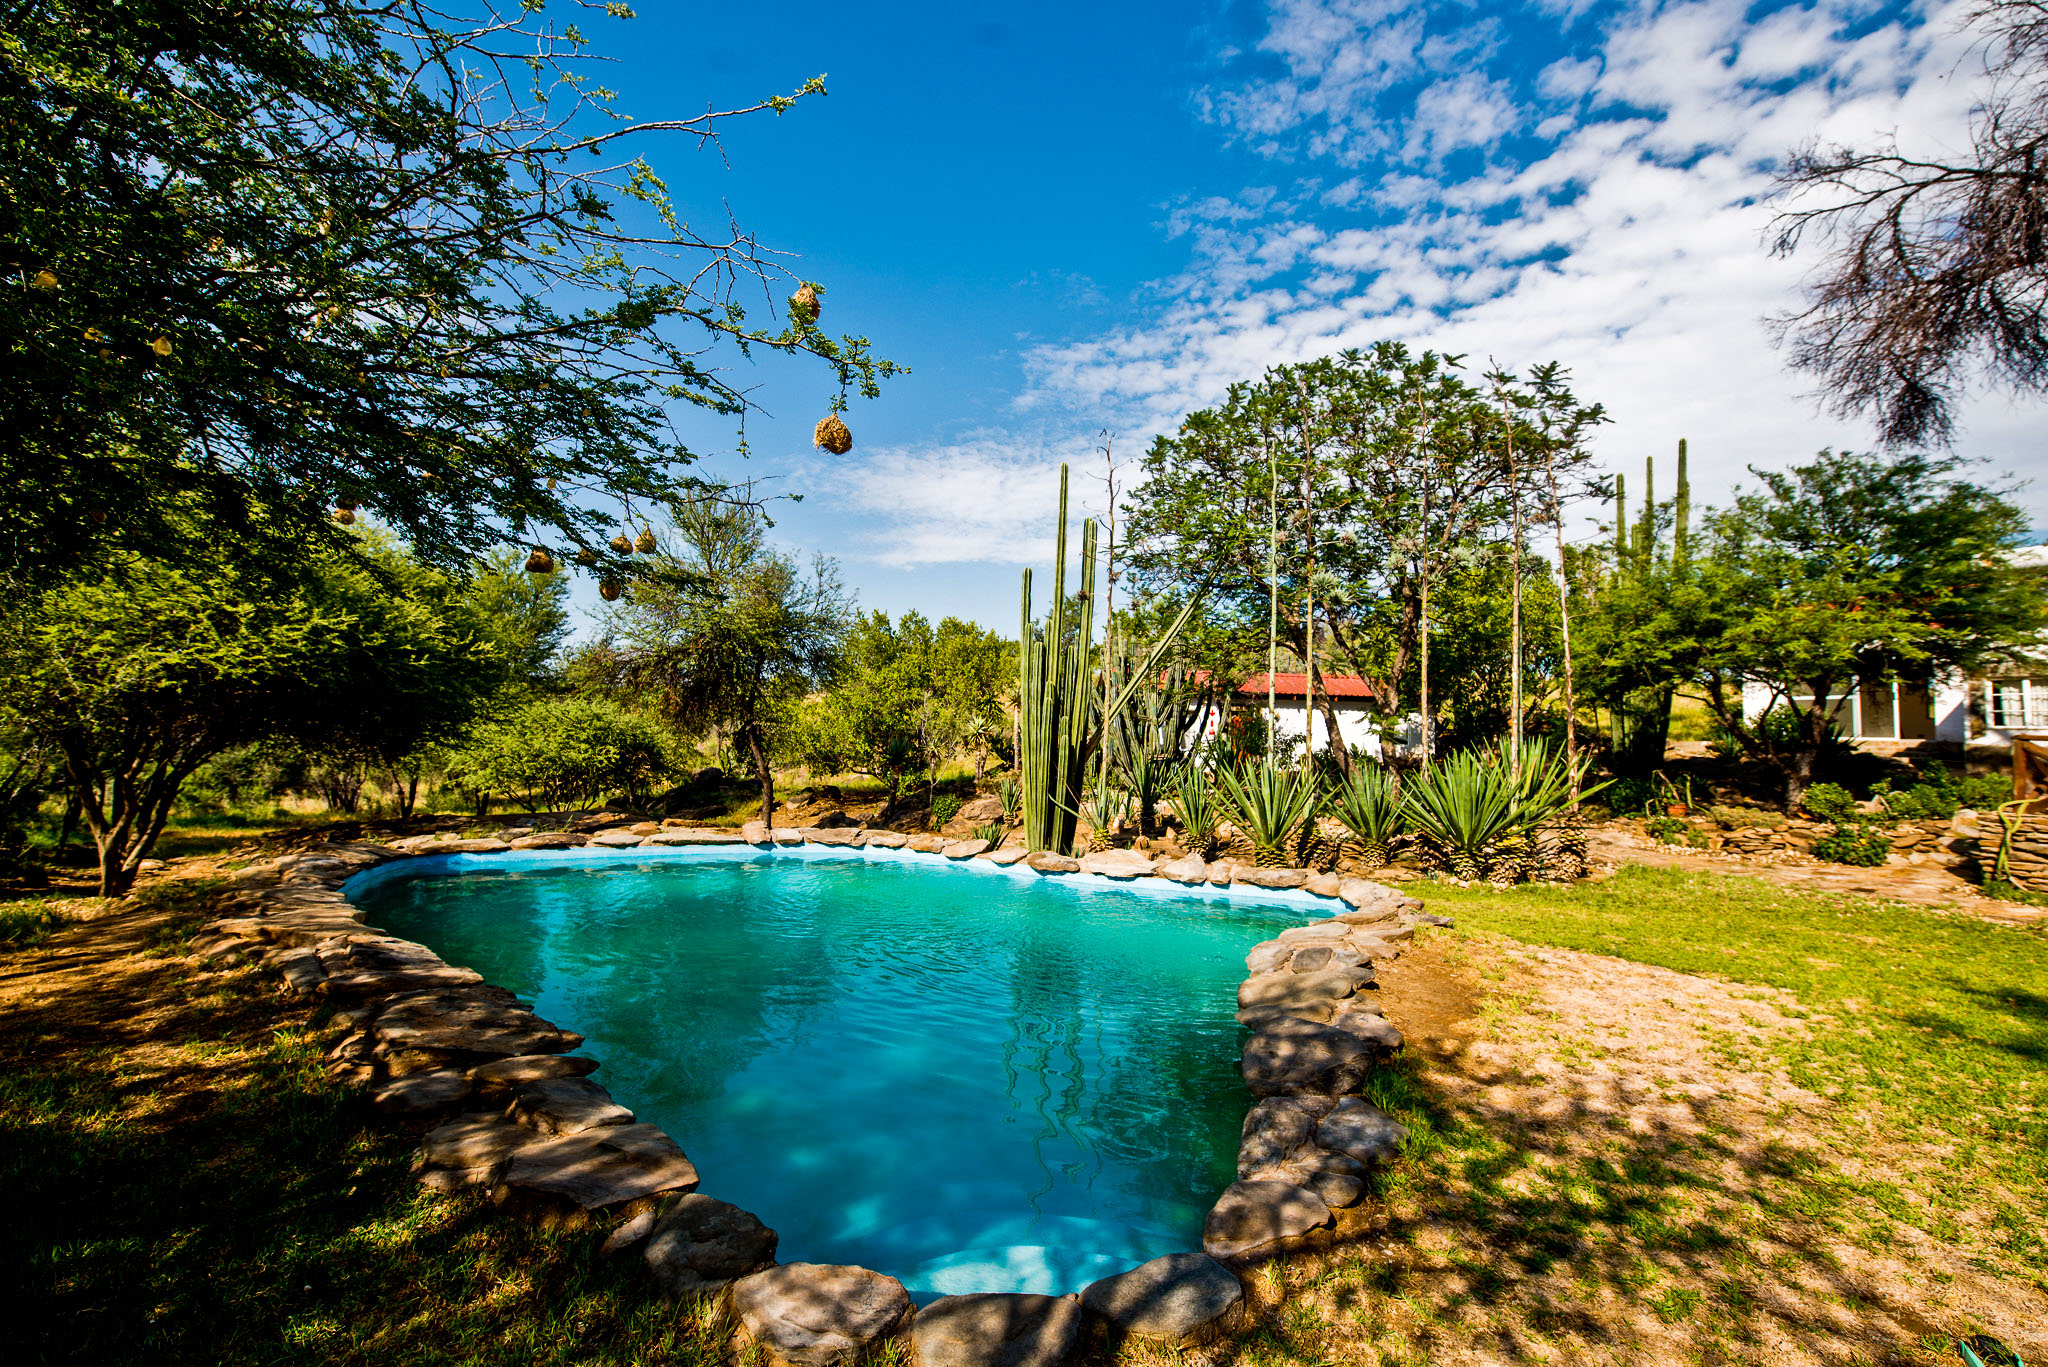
x=506, y=1108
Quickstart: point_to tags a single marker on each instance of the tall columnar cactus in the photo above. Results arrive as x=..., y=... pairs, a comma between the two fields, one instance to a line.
x=1055, y=695
x=1681, y=530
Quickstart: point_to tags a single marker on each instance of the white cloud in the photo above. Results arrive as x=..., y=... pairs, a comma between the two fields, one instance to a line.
x=1629, y=245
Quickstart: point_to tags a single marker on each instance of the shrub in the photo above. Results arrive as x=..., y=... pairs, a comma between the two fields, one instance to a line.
x=1984, y=792
x=1863, y=846
x=562, y=750
x=944, y=808
x=1628, y=796
x=1743, y=818
x=1831, y=802
x=1194, y=802
x=1669, y=830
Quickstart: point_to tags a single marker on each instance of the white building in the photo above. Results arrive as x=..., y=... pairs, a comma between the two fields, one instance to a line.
x=1291, y=719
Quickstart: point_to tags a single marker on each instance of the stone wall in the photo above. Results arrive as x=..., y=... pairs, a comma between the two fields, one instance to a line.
x=501, y=1105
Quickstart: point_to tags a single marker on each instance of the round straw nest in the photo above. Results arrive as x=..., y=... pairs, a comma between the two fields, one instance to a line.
x=622, y=545
x=540, y=562
x=645, y=543
x=345, y=516
x=832, y=434
x=804, y=304
x=608, y=589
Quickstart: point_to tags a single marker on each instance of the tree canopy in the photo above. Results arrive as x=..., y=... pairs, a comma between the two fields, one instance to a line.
x=277, y=257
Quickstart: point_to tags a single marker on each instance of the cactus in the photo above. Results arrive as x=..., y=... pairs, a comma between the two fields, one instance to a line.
x=1055, y=699
x=1681, y=531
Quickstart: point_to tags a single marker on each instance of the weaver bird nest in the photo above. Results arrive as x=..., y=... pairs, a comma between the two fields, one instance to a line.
x=833, y=435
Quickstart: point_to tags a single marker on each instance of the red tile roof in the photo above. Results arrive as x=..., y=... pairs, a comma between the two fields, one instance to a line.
x=1296, y=685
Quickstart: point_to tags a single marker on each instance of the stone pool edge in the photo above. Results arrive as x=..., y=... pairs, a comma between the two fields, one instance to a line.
x=433, y=1042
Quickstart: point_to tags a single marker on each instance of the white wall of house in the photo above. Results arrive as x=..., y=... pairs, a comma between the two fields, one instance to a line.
x=1290, y=721
x=1903, y=711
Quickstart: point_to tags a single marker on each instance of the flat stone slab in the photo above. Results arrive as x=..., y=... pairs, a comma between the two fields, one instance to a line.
x=787, y=835
x=1361, y=1131
x=480, y=845
x=824, y=835
x=701, y=1243
x=964, y=849
x=754, y=832
x=996, y=1330
x=473, y=1141
x=566, y=1105
x=1277, y=1129
x=1118, y=863
x=697, y=837
x=816, y=1314
x=1288, y=989
x=606, y=1166
x=363, y=966
x=1314, y=932
x=1257, y=1219
x=927, y=844
x=1324, y=885
x=467, y=1023
x=1292, y=1057
x=499, y=1078
x=1189, y=868
x=618, y=840
x=552, y=840
x=1007, y=855
x=1370, y=1026
x=423, y=1094
x=1363, y=892
x=1252, y=876
x=888, y=840
x=1045, y=861
x=1182, y=1298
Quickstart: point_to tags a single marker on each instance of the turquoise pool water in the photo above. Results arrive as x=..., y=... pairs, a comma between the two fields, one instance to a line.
x=972, y=1079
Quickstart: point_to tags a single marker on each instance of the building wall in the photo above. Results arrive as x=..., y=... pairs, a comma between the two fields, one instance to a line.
x=1356, y=726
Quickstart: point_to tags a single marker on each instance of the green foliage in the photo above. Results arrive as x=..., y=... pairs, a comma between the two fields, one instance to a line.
x=1671, y=830
x=991, y=831
x=1104, y=809
x=26, y=924
x=1011, y=795
x=337, y=250
x=1194, y=802
x=1463, y=807
x=1831, y=802
x=1861, y=845
x=1270, y=803
x=1629, y=795
x=1983, y=792
x=944, y=808
x=1369, y=805
x=562, y=752
x=1055, y=698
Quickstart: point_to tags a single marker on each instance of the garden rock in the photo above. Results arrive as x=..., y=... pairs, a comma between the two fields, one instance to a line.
x=363, y=966
x=701, y=1243
x=1289, y=989
x=1277, y=1129
x=887, y=840
x=499, y=1078
x=1324, y=885
x=477, y=1021
x=965, y=849
x=423, y=1094
x=595, y=1169
x=996, y=1330
x=617, y=840
x=1360, y=1130
x=1189, y=868
x=1313, y=931
x=696, y=836
x=566, y=1105
x=1117, y=863
x=471, y=1150
x=549, y=840
x=1258, y=1219
x=1258, y=1017
x=1252, y=876
x=831, y=835
x=1045, y=861
x=1269, y=957
x=787, y=835
x=1368, y=1026
x=927, y=844
x=1292, y=1057
x=1009, y=854
x=817, y=1315
x=1182, y=1298
x=754, y=833
x=480, y=845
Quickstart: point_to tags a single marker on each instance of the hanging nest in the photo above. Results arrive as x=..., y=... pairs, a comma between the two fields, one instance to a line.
x=586, y=556
x=540, y=562
x=348, y=505
x=609, y=590
x=832, y=434
x=804, y=304
x=345, y=516
x=645, y=543
x=621, y=545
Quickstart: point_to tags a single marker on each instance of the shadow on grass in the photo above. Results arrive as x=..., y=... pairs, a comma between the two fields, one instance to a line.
x=185, y=1184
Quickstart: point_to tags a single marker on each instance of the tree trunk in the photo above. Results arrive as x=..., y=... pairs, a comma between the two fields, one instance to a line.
x=1564, y=620
x=760, y=755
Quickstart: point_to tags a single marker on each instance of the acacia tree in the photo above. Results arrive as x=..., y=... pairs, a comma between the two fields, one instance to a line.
x=730, y=633
x=1849, y=571
x=1935, y=267
x=138, y=672
x=271, y=257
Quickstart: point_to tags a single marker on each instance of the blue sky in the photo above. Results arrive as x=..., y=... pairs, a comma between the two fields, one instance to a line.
x=1068, y=219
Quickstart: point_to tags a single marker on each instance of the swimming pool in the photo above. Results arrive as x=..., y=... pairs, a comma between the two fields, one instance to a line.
x=970, y=1078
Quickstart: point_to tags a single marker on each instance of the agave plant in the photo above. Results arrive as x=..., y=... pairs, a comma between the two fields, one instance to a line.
x=1465, y=807
x=1194, y=801
x=991, y=831
x=1104, y=807
x=1270, y=804
x=1145, y=774
x=1369, y=805
x=1012, y=797
x=1549, y=838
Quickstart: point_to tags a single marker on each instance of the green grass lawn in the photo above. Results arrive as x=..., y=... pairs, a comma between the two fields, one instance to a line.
x=1929, y=1029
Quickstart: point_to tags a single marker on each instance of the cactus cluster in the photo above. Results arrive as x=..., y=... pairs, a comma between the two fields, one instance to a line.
x=1055, y=695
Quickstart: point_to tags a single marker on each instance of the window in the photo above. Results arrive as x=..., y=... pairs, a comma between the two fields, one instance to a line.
x=2019, y=704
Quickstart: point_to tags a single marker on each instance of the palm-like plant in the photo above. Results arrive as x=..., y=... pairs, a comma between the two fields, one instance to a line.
x=1145, y=774
x=1369, y=805
x=1104, y=807
x=1544, y=799
x=1270, y=804
x=1465, y=807
x=1194, y=801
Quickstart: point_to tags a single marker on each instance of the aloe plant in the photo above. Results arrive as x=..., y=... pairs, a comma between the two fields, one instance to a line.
x=1194, y=802
x=1271, y=804
x=1012, y=798
x=1105, y=806
x=991, y=831
x=1369, y=806
x=1145, y=774
x=1464, y=807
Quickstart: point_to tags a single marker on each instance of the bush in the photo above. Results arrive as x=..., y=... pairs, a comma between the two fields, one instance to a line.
x=1743, y=818
x=1669, y=830
x=1863, y=846
x=1984, y=792
x=1628, y=796
x=944, y=808
x=560, y=751
x=1831, y=802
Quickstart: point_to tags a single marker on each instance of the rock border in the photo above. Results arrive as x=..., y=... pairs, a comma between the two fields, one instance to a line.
x=500, y=1104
